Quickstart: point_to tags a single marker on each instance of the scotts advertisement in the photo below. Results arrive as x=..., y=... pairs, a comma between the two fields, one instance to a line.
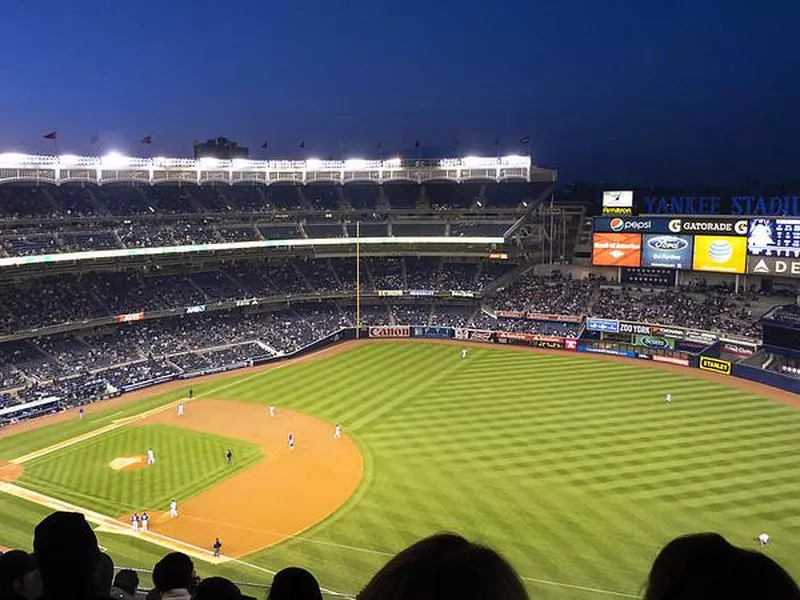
x=472, y=335
x=617, y=249
x=532, y=339
x=666, y=250
x=715, y=365
x=720, y=253
x=631, y=225
x=401, y=331
x=772, y=265
x=654, y=342
x=728, y=226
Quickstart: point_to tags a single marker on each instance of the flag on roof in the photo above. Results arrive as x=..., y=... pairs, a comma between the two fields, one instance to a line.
x=525, y=140
x=95, y=139
x=302, y=144
x=148, y=139
x=265, y=144
x=53, y=135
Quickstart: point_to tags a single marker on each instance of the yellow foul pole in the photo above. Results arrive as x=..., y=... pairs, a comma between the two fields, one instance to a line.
x=358, y=279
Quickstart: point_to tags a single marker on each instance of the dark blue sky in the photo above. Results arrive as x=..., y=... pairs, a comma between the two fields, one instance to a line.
x=614, y=90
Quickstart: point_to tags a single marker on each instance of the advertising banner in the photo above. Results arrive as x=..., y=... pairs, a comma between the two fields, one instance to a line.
x=617, y=249
x=193, y=310
x=604, y=350
x=130, y=317
x=720, y=226
x=400, y=331
x=666, y=250
x=690, y=346
x=553, y=318
x=603, y=325
x=720, y=253
x=462, y=294
x=424, y=331
x=571, y=344
x=671, y=360
x=737, y=349
x=247, y=302
x=631, y=225
x=509, y=314
x=772, y=265
x=715, y=365
x=654, y=342
x=774, y=237
x=421, y=293
x=472, y=335
x=391, y=293
x=532, y=339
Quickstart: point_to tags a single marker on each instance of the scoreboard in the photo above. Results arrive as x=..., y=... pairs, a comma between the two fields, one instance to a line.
x=774, y=237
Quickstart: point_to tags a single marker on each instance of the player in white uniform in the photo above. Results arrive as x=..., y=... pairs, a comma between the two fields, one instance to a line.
x=763, y=539
x=291, y=441
x=151, y=457
x=144, y=519
x=669, y=398
x=135, y=522
x=271, y=410
x=337, y=431
x=180, y=409
x=173, y=509
x=463, y=353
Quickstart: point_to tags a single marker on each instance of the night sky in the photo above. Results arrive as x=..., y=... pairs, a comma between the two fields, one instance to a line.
x=620, y=91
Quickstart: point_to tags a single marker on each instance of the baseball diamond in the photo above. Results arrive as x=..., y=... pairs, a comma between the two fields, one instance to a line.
x=571, y=465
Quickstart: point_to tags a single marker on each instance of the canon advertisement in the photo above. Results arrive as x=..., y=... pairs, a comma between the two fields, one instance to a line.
x=401, y=331
x=667, y=250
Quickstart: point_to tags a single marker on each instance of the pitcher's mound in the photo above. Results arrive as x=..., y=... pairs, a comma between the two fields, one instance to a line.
x=10, y=471
x=128, y=463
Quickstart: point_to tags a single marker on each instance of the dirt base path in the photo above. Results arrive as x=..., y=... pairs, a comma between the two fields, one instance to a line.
x=286, y=493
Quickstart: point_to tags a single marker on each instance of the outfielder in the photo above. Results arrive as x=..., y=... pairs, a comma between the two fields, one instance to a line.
x=173, y=509
x=151, y=457
x=180, y=409
x=463, y=353
x=763, y=539
x=669, y=398
x=228, y=457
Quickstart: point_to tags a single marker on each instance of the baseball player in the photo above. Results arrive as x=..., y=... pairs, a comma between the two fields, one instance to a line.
x=228, y=457
x=763, y=539
x=191, y=393
x=81, y=412
x=144, y=519
x=135, y=522
x=217, y=547
x=173, y=509
x=291, y=441
x=151, y=457
x=271, y=410
x=463, y=353
x=180, y=409
x=337, y=431
x=669, y=398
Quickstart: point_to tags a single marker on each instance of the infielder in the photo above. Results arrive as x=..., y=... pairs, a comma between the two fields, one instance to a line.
x=271, y=410
x=144, y=519
x=228, y=457
x=151, y=457
x=173, y=509
x=291, y=441
x=180, y=409
x=337, y=431
x=217, y=547
x=135, y=522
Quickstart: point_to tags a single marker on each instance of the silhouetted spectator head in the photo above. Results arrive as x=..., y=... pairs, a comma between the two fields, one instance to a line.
x=66, y=550
x=19, y=577
x=103, y=573
x=294, y=583
x=705, y=566
x=217, y=588
x=127, y=581
x=174, y=571
x=445, y=566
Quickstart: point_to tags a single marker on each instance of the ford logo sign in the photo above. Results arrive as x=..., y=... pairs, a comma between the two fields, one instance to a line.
x=655, y=342
x=667, y=242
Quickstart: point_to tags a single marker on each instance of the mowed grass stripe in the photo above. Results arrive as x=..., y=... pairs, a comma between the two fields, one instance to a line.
x=576, y=469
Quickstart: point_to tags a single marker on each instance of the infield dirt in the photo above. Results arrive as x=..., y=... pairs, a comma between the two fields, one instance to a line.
x=287, y=492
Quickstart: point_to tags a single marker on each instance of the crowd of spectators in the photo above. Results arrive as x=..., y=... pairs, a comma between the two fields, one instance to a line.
x=67, y=563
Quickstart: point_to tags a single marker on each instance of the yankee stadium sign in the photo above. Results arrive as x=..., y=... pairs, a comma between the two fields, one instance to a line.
x=727, y=204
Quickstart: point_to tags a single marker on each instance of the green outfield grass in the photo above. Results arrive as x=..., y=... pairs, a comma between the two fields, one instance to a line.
x=187, y=463
x=576, y=469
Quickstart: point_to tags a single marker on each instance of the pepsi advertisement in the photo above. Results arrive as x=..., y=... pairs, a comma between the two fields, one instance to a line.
x=631, y=225
x=673, y=251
